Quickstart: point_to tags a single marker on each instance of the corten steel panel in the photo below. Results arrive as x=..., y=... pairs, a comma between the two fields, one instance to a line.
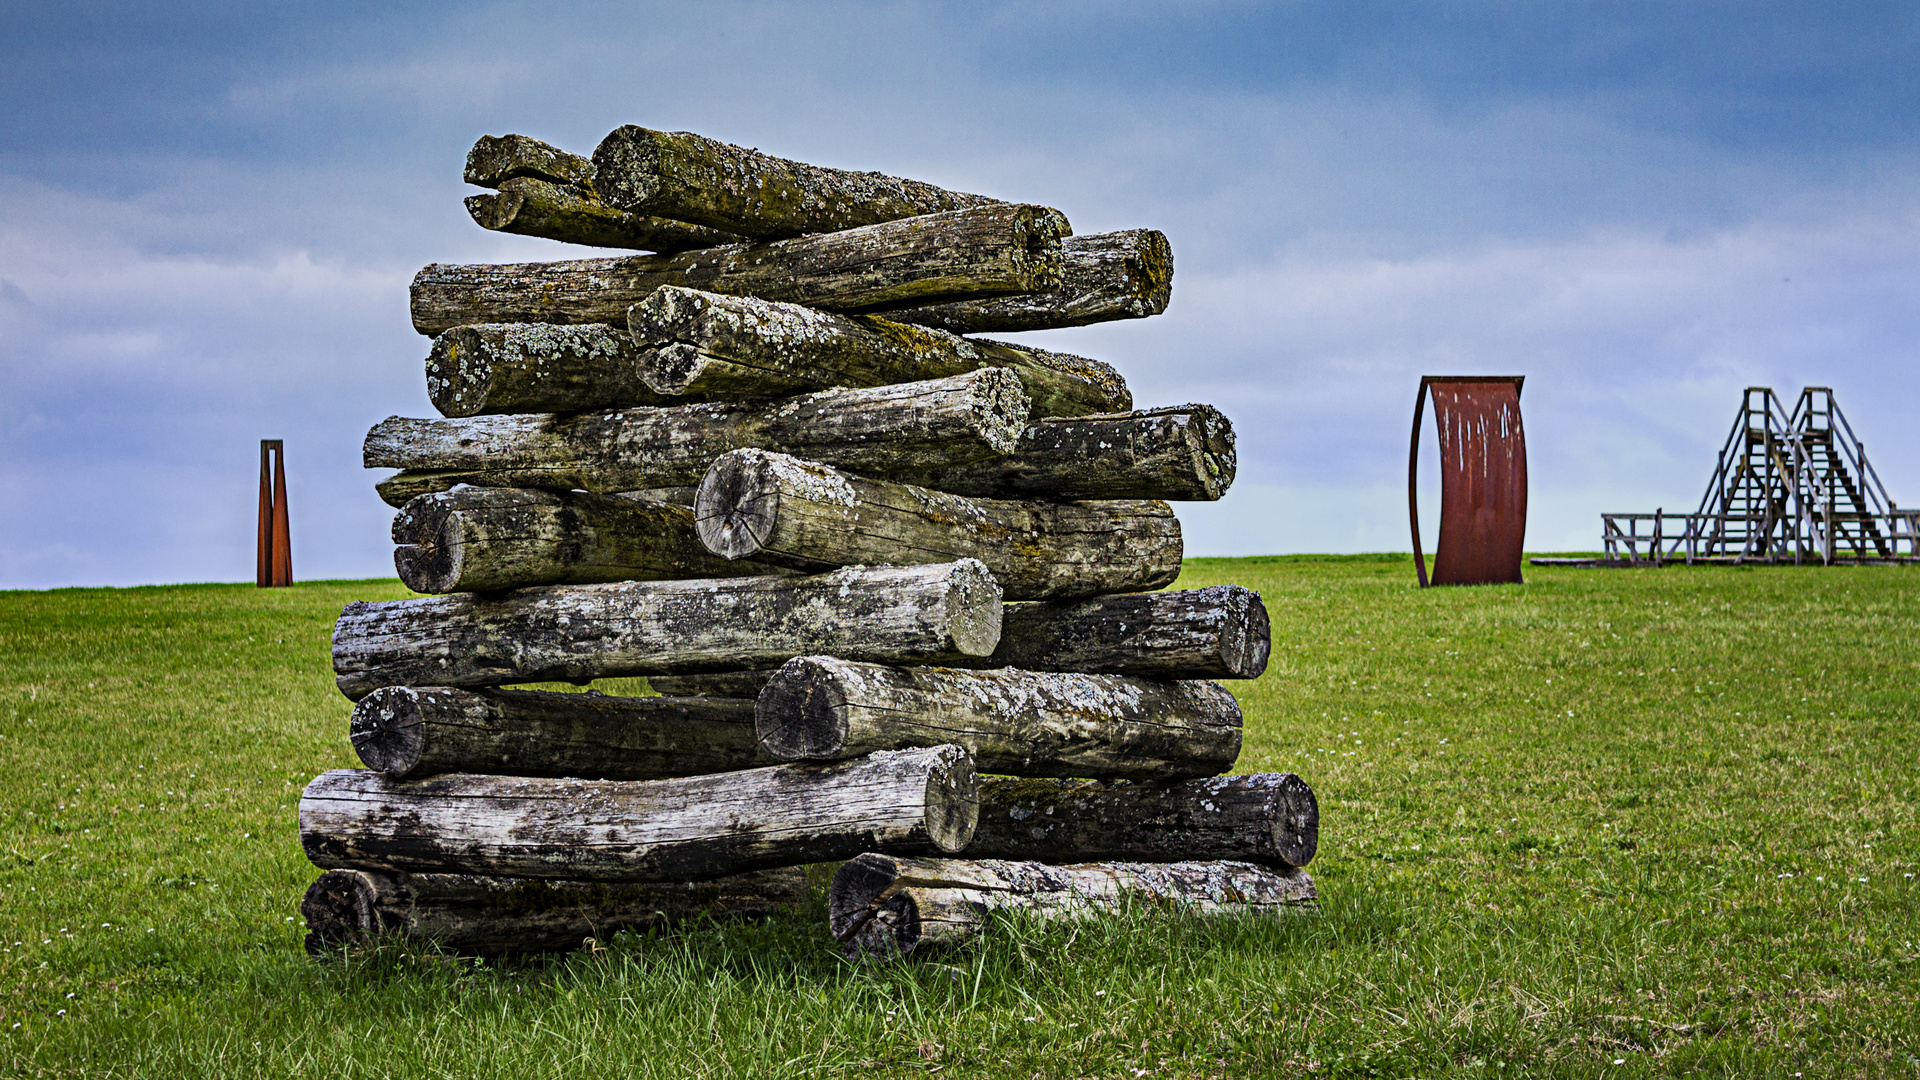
x=1483, y=479
x=273, y=564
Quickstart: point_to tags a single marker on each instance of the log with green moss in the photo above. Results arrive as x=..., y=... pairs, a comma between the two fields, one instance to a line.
x=490, y=368
x=962, y=254
x=1103, y=277
x=529, y=207
x=495, y=159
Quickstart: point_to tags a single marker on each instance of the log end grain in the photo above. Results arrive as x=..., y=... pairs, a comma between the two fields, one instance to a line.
x=953, y=796
x=1246, y=639
x=429, y=540
x=973, y=600
x=853, y=896
x=738, y=504
x=801, y=714
x=388, y=730
x=1296, y=821
x=339, y=909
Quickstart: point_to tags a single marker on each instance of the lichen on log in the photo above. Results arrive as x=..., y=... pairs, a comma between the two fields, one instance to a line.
x=1181, y=453
x=1268, y=818
x=1105, y=276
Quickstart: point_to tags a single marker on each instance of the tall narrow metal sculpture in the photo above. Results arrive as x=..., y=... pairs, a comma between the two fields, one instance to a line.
x=1483, y=479
x=275, y=563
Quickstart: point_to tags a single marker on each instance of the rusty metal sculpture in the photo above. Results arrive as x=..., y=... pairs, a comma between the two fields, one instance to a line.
x=1483, y=479
x=274, y=565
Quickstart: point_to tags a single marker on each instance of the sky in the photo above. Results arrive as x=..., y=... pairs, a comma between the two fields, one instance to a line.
x=210, y=212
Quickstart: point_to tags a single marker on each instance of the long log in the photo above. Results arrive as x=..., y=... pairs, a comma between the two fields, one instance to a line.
x=914, y=801
x=1182, y=453
x=496, y=159
x=536, y=368
x=481, y=539
x=1022, y=723
x=962, y=254
x=413, y=731
x=913, y=614
x=706, y=346
x=886, y=905
x=1219, y=632
x=405, y=486
x=886, y=429
x=727, y=684
x=492, y=916
x=529, y=207
x=786, y=511
x=1103, y=277
x=690, y=177
x=1268, y=818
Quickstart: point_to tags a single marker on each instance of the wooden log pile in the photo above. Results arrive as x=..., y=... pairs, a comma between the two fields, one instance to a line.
x=863, y=555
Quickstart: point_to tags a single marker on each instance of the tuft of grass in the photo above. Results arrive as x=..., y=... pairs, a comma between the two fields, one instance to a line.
x=1663, y=819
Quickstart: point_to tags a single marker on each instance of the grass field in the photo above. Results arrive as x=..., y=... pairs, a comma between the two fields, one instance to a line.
x=1609, y=823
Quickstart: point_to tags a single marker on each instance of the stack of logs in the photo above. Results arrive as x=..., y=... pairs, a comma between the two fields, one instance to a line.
x=861, y=556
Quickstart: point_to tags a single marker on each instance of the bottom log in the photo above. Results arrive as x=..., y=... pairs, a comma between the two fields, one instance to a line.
x=496, y=915
x=890, y=906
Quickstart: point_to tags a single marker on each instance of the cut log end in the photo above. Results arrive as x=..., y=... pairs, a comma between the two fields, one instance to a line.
x=430, y=542
x=737, y=506
x=339, y=909
x=1296, y=825
x=973, y=608
x=855, y=893
x=1247, y=639
x=953, y=798
x=388, y=730
x=801, y=714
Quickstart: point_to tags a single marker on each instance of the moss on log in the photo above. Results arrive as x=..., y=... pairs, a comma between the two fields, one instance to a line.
x=1103, y=277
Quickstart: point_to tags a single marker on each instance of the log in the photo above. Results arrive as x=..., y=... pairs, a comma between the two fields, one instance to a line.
x=529, y=207
x=1022, y=723
x=961, y=254
x=410, y=732
x=686, y=829
x=1267, y=818
x=1219, y=632
x=481, y=539
x=786, y=511
x=913, y=614
x=1103, y=277
x=885, y=429
x=725, y=684
x=690, y=177
x=496, y=159
x=536, y=368
x=405, y=486
x=1183, y=453
x=706, y=346
x=494, y=916
x=888, y=906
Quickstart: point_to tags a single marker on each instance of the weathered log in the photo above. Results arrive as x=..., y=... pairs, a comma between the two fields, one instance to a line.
x=1103, y=277
x=413, y=731
x=913, y=614
x=1219, y=632
x=887, y=906
x=1183, y=453
x=787, y=511
x=537, y=368
x=962, y=254
x=884, y=429
x=706, y=346
x=727, y=684
x=529, y=207
x=690, y=177
x=403, y=487
x=496, y=159
x=491, y=916
x=479, y=539
x=1269, y=818
x=686, y=829
x=1022, y=723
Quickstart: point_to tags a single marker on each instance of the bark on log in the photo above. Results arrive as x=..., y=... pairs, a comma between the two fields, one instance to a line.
x=786, y=511
x=914, y=614
x=405, y=486
x=1103, y=277
x=706, y=346
x=887, y=906
x=1022, y=723
x=492, y=916
x=914, y=801
x=410, y=732
x=1183, y=453
x=886, y=429
x=1220, y=632
x=725, y=684
x=690, y=177
x=529, y=207
x=1268, y=818
x=496, y=159
x=482, y=539
x=962, y=254
x=536, y=368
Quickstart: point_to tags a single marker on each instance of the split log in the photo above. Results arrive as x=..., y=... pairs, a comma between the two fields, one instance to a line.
x=689, y=177
x=962, y=254
x=725, y=684
x=1183, y=453
x=529, y=207
x=496, y=159
x=536, y=368
x=481, y=539
x=1103, y=277
x=913, y=614
x=411, y=731
x=886, y=429
x=1268, y=818
x=1022, y=723
x=889, y=906
x=492, y=916
x=1219, y=632
x=913, y=801
x=786, y=511
x=706, y=346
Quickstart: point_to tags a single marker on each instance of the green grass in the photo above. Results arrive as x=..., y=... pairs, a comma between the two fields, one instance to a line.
x=1664, y=818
